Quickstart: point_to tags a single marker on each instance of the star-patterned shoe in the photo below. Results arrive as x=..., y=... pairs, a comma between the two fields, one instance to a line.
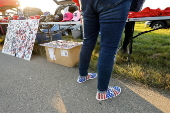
x=89, y=76
x=111, y=92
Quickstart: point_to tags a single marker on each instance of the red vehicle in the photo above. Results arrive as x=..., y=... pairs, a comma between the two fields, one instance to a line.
x=8, y=4
x=4, y=6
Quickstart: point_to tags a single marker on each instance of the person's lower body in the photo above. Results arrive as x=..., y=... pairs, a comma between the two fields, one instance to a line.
x=109, y=18
x=129, y=29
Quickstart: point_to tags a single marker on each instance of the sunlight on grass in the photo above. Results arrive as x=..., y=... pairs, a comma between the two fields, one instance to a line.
x=140, y=28
x=150, y=59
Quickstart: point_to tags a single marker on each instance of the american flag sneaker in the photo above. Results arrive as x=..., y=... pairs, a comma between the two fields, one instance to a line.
x=111, y=92
x=116, y=90
x=89, y=76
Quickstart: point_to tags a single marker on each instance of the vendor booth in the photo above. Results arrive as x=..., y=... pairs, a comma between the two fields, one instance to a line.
x=47, y=29
x=147, y=14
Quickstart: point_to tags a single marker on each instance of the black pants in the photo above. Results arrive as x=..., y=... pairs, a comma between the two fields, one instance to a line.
x=129, y=29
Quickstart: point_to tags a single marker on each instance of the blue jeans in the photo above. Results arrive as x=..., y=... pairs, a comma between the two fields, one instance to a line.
x=108, y=17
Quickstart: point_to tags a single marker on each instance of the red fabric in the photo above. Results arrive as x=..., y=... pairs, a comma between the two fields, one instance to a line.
x=167, y=9
x=15, y=17
x=32, y=17
x=147, y=12
x=76, y=2
x=166, y=12
x=147, y=9
x=6, y=18
x=37, y=16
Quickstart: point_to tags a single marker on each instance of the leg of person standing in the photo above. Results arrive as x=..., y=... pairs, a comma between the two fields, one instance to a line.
x=136, y=6
x=108, y=17
x=129, y=29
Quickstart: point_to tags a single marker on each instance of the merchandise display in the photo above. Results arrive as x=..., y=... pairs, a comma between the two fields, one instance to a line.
x=166, y=12
x=21, y=18
x=15, y=17
x=20, y=38
x=148, y=12
x=67, y=16
x=76, y=16
x=58, y=17
x=62, y=44
x=42, y=18
x=37, y=16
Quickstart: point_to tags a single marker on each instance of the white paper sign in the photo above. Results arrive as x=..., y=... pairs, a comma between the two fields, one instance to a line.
x=51, y=53
x=64, y=53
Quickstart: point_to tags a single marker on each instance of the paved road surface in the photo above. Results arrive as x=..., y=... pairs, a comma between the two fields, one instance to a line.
x=38, y=86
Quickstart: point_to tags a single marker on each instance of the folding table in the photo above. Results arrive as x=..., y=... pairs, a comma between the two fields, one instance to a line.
x=142, y=19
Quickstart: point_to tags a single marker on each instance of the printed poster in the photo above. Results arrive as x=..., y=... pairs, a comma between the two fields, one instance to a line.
x=20, y=38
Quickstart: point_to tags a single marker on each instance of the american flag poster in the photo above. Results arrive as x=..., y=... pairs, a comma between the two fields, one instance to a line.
x=20, y=38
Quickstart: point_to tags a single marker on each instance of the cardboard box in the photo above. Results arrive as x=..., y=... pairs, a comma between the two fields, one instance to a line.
x=65, y=57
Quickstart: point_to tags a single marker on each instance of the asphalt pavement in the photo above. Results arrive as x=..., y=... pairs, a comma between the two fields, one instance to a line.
x=39, y=86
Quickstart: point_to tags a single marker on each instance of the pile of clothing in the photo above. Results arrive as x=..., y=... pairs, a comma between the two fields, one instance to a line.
x=148, y=12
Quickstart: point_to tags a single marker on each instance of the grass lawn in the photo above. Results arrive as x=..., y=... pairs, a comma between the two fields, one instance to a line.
x=150, y=59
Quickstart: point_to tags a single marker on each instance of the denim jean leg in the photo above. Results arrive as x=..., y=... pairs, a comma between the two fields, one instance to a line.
x=91, y=31
x=109, y=17
x=112, y=22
